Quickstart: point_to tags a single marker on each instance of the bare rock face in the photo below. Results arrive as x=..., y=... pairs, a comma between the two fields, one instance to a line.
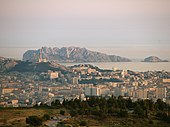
x=154, y=59
x=72, y=54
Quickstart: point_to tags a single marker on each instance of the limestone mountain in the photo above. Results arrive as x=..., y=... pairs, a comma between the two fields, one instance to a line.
x=72, y=54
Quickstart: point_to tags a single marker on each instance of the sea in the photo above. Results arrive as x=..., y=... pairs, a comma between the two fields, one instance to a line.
x=134, y=66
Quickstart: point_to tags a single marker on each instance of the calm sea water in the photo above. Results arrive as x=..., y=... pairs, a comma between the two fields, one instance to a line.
x=134, y=66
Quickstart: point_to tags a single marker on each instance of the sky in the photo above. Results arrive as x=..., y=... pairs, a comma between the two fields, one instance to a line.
x=129, y=28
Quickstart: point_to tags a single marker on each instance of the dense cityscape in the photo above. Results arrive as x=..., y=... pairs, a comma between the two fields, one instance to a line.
x=78, y=91
x=27, y=89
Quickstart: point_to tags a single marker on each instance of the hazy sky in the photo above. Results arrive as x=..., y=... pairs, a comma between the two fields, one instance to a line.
x=130, y=28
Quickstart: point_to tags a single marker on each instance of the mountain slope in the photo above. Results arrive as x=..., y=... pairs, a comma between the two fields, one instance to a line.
x=38, y=67
x=6, y=64
x=72, y=54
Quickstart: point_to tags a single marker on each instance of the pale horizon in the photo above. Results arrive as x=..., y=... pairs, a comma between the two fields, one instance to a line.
x=133, y=28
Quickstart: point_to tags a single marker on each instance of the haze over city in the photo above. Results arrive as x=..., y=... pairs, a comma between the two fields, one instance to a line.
x=131, y=28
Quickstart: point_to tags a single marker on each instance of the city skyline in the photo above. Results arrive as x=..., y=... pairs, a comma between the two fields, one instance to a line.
x=133, y=29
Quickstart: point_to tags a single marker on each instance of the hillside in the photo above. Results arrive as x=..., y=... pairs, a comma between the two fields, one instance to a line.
x=72, y=54
x=38, y=67
x=7, y=64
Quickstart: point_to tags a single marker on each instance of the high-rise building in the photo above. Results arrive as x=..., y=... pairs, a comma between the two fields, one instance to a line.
x=105, y=91
x=141, y=93
x=75, y=80
x=92, y=91
x=160, y=93
x=117, y=92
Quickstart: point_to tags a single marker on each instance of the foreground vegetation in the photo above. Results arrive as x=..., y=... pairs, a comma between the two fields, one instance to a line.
x=94, y=111
x=16, y=117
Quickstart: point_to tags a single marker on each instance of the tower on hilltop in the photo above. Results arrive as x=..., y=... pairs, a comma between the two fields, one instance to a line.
x=41, y=57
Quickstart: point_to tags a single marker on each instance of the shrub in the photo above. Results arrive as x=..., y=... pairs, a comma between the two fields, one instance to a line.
x=46, y=117
x=73, y=113
x=34, y=120
x=83, y=123
x=62, y=112
x=123, y=113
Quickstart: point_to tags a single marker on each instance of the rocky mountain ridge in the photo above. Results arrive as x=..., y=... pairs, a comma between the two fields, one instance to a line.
x=72, y=54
